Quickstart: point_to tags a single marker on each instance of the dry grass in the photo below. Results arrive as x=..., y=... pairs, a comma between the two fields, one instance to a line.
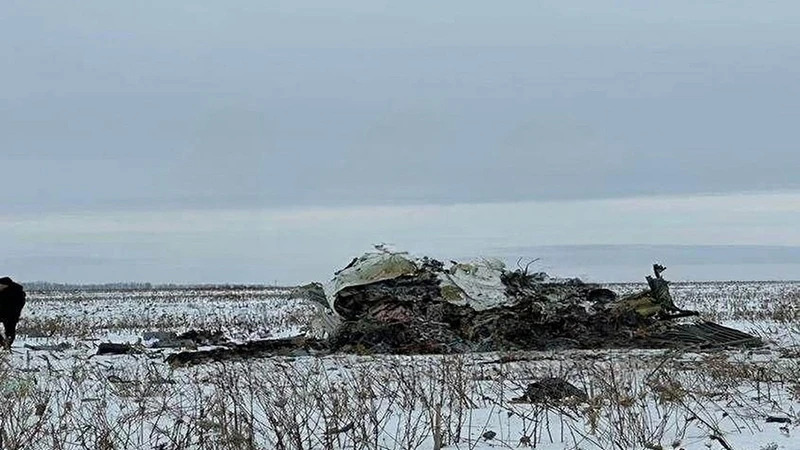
x=636, y=399
x=648, y=399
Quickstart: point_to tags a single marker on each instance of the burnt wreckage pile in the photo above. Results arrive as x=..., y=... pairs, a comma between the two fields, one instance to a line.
x=390, y=302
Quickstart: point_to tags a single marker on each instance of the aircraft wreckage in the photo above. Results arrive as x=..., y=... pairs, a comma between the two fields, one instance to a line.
x=392, y=302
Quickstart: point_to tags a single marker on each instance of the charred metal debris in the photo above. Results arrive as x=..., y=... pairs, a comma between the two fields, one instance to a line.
x=391, y=302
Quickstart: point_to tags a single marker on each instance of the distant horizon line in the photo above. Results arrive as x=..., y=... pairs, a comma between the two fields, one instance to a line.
x=200, y=204
x=135, y=285
x=595, y=263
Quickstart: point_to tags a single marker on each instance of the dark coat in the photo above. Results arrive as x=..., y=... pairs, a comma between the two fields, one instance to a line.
x=12, y=300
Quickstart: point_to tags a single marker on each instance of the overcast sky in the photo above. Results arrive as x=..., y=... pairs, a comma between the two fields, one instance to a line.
x=169, y=141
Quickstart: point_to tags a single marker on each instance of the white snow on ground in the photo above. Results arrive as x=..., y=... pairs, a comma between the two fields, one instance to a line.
x=69, y=398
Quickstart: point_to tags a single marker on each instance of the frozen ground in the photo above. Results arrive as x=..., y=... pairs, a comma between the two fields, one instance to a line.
x=67, y=398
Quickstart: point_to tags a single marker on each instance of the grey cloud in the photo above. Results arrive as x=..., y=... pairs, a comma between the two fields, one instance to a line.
x=153, y=105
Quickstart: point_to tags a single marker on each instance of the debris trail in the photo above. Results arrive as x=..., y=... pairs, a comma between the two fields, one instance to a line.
x=391, y=302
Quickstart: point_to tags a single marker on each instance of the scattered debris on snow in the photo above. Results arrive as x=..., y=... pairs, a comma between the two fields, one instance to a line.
x=114, y=348
x=391, y=302
x=297, y=346
x=551, y=390
x=60, y=347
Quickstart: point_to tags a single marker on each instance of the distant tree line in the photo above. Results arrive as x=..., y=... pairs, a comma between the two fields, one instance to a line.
x=137, y=286
x=49, y=286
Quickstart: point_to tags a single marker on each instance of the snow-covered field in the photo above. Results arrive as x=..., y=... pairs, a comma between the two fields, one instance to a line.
x=66, y=398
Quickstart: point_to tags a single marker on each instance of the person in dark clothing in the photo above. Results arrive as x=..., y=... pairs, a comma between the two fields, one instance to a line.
x=12, y=300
